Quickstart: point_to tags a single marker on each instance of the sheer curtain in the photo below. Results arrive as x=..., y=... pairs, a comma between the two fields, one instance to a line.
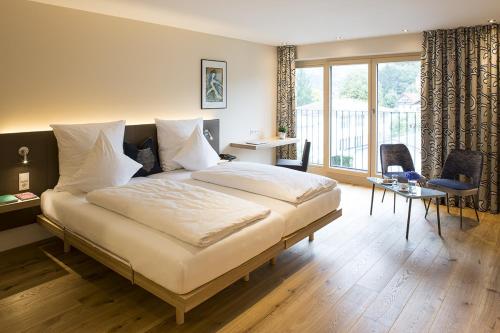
x=286, y=114
x=460, y=102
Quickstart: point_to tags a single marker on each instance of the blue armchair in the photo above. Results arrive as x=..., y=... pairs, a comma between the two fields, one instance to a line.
x=460, y=162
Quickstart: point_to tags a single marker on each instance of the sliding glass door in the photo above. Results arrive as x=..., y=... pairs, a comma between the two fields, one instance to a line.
x=309, y=108
x=371, y=101
x=398, y=106
x=349, y=105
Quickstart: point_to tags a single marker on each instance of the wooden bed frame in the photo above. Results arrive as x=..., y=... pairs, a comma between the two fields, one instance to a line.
x=184, y=302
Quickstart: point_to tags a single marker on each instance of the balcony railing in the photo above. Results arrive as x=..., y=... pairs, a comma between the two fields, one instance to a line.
x=310, y=127
x=349, y=135
x=401, y=126
x=349, y=139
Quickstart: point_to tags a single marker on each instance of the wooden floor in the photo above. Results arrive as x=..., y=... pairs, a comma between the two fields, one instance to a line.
x=359, y=275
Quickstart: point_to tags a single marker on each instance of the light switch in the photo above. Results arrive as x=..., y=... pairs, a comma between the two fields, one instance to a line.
x=24, y=181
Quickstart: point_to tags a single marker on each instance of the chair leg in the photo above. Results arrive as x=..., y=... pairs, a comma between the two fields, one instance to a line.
x=448, y=203
x=475, y=207
x=383, y=196
x=461, y=216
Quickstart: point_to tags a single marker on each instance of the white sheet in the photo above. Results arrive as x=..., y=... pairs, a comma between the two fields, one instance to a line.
x=190, y=213
x=171, y=263
x=279, y=183
x=295, y=216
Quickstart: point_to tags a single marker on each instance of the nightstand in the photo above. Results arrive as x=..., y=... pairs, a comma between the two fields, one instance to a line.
x=19, y=205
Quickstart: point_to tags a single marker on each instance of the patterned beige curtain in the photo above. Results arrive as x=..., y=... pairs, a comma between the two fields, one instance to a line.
x=460, y=102
x=286, y=115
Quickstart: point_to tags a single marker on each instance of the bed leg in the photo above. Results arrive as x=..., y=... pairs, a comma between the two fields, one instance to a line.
x=272, y=261
x=246, y=278
x=67, y=247
x=179, y=316
x=311, y=237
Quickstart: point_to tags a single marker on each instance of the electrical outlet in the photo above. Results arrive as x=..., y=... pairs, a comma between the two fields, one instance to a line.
x=255, y=132
x=24, y=181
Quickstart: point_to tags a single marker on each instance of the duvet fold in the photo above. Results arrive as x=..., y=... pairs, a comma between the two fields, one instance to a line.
x=268, y=180
x=189, y=213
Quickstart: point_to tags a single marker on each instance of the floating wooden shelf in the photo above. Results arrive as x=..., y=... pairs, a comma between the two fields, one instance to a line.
x=270, y=143
x=19, y=205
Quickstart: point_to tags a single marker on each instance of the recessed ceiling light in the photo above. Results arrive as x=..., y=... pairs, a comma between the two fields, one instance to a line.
x=492, y=21
x=404, y=30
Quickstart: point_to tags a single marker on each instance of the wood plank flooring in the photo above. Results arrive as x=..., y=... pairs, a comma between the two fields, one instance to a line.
x=359, y=275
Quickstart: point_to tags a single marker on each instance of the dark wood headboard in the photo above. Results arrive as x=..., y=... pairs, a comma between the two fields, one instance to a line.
x=44, y=165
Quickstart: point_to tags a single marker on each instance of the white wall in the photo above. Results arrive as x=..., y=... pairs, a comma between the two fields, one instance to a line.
x=62, y=65
x=404, y=43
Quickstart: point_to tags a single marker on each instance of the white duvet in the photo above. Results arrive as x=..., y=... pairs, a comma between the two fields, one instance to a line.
x=275, y=182
x=190, y=213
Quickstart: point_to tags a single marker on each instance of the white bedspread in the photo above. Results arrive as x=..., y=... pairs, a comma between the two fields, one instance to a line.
x=190, y=213
x=275, y=182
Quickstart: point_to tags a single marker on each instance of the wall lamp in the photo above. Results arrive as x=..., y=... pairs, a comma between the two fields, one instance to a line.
x=208, y=134
x=23, y=152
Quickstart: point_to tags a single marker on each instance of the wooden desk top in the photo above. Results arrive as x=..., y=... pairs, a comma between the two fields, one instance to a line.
x=270, y=143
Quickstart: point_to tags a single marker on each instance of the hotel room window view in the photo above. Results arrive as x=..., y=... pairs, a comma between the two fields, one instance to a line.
x=249, y=166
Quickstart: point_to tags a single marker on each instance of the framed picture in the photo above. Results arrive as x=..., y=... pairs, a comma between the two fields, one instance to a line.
x=213, y=84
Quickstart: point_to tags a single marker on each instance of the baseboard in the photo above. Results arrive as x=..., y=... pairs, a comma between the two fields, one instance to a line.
x=20, y=236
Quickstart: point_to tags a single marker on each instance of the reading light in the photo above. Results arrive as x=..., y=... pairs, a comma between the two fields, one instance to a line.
x=208, y=134
x=24, y=151
x=340, y=37
x=492, y=21
x=404, y=30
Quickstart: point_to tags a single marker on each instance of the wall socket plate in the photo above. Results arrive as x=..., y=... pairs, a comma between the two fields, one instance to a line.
x=255, y=133
x=24, y=181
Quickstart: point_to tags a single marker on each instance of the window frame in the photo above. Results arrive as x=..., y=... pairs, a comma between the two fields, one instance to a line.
x=342, y=174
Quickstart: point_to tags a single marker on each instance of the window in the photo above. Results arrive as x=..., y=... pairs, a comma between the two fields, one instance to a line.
x=398, y=107
x=349, y=116
x=309, y=108
x=372, y=101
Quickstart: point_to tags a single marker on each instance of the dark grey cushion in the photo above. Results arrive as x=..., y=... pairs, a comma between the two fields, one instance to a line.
x=145, y=154
x=450, y=183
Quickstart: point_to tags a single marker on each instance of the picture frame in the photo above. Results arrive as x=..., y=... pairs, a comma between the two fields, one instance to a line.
x=213, y=84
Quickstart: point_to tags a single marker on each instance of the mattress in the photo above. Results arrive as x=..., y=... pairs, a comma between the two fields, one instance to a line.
x=169, y=262
x=296, y=216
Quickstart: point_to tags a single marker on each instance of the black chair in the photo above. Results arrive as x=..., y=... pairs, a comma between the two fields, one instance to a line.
x=395, y=155
x=300, y=165
x=459, y=162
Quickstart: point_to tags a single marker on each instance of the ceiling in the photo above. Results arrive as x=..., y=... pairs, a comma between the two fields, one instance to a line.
x=277, y=22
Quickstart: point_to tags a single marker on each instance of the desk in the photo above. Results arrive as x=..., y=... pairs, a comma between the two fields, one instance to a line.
x=270, y=143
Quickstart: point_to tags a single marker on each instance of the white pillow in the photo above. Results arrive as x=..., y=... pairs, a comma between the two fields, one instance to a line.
x=75, y=142
x=172, y=134
x=104, y=166
x=197, y=153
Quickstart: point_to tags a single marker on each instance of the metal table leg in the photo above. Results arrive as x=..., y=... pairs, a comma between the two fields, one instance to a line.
x=373, y=192
x=394, y=207
x=439, y=220
x=408, y=222
x=427, y=206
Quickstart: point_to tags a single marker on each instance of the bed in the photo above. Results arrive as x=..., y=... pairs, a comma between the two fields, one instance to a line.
x=188, y=275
